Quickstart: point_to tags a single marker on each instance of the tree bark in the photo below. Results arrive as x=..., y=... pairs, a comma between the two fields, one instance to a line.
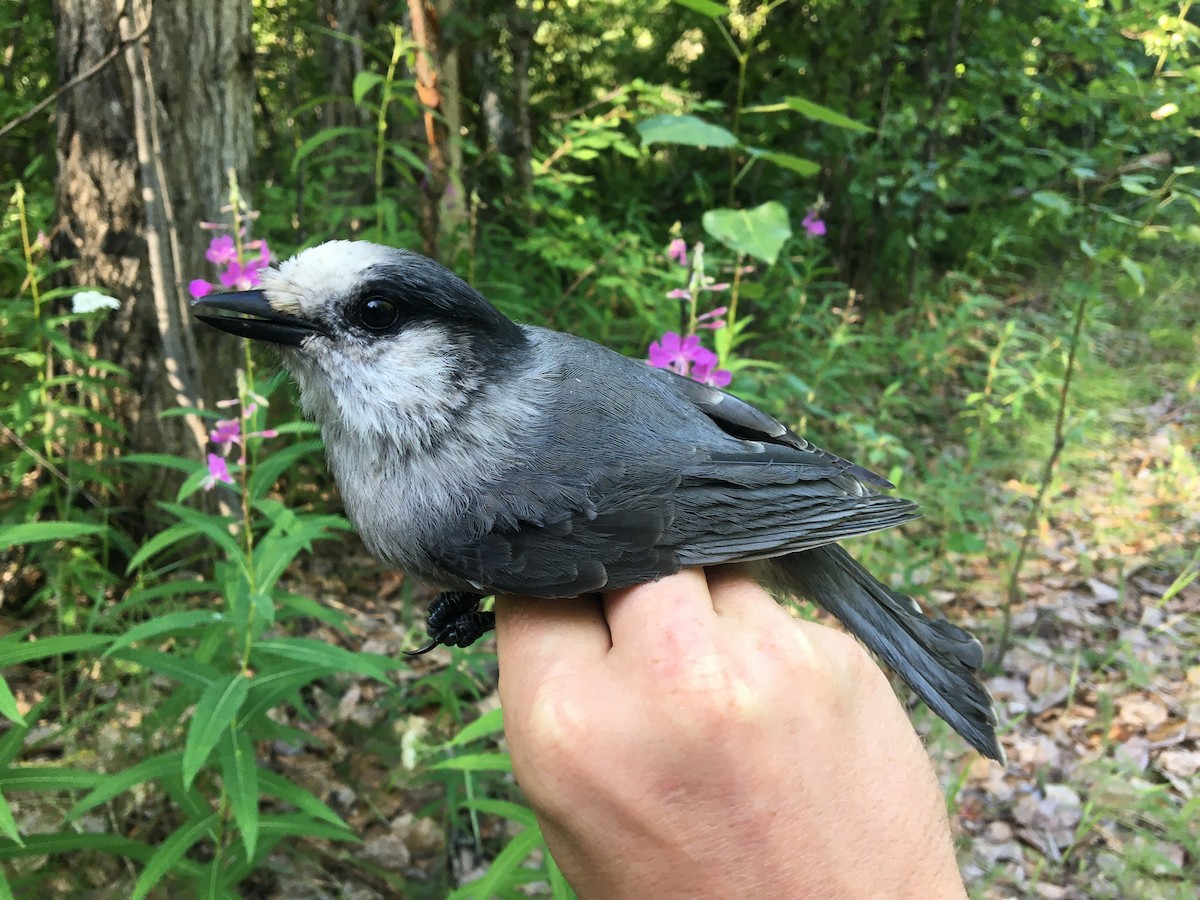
x=144, y=151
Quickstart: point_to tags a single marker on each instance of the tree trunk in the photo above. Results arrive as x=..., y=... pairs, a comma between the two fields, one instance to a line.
x=144, y=151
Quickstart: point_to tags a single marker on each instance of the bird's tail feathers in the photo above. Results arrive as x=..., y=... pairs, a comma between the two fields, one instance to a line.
x=936, y=658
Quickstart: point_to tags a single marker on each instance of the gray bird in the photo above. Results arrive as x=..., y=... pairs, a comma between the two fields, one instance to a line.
x=489, y=457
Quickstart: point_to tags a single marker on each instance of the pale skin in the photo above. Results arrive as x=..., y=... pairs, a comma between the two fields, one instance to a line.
x=689, y=738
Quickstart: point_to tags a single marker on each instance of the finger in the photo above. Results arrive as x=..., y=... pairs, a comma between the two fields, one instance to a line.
x=738, y=596
x=535, y=635
x=641, y=617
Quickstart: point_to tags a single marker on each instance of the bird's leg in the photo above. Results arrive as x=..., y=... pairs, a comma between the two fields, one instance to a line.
x=454, y=619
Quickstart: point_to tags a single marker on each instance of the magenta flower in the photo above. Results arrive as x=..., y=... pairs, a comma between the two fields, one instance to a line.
x=705, y=372
x=242, y=277
x=217, y=471
x=221, y=250
x=200, y=288
x=814, y=226
x=675, y=353
x=678, y=251
x=714, y=319
x=227, y=433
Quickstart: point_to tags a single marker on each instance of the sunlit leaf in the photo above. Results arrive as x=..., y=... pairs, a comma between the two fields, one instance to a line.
x=688, y=130
x=214, y=711
x=760, y=232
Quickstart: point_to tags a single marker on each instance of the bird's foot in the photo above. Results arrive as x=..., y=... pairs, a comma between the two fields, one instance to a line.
x=454, y=620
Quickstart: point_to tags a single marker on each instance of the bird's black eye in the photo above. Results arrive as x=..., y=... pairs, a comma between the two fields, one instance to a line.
x=377, y=314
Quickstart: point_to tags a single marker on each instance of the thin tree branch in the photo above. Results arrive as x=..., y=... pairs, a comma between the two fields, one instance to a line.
x=1013, y=591
x=77, y=80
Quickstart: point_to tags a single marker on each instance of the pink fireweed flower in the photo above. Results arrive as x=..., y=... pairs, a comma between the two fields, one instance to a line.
x=677, y=250
x=722, y=286
x=242, y=277
x=221, y=250
x=227, y=433
x=200, y=288
x=814, y=226
x=706, y=373
x=675, y=352
x=217, y=471
x=679, y=294
x=714, y=319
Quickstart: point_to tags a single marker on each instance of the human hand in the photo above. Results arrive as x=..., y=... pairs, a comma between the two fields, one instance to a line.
x=689, y=738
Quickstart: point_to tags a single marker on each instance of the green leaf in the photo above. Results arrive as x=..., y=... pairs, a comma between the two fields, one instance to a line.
x=687, y=130
x=8, y=825
x=475, y=762
x=14, y=653
x=299, y=825
x=760, y=232
x=504, y=866
x=169, y=852
x=522, y=815
x=490, y=722
x=47, y=778
x=289, y=792
x=239, y=774
x=1053, y=200
x=8, y=704
x=37, y=532
x=119, y=782
x=363, y=82
x=171, y=623
x=338, y=659
x=810, y=110
x=214, y=711
x=799, y=165
x=186, y=670
x=321, y=138
x=704, y=7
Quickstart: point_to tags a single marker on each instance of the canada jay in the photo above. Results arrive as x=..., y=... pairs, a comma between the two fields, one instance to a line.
x=489, y=457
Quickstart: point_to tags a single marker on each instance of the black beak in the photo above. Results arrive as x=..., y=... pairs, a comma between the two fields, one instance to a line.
x=266, y=324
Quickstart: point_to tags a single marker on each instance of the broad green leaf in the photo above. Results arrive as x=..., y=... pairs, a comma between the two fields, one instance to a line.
x=490, y=722
x=8, y=704
x=475, y=762
x=8, y=825
x=363, y=82
x=214, y=711
x=687, y=130
x=239, y=774
x=14, y=653
x=810, y=110
x=37, y=532
x=704, y=7
x=171, y=623
x=170, y=852
x=119, y=782
x=760, y=232
x=797, y=164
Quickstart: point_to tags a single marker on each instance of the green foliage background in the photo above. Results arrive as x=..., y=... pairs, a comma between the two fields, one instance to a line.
x=986, y=170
